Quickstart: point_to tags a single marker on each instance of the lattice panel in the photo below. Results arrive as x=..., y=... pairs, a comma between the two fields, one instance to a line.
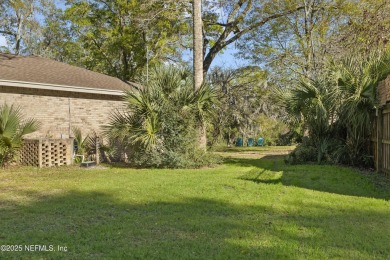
x=29, y=154
x=47, y=153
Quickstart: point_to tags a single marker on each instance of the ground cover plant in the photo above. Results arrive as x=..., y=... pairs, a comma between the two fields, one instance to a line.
x=245, y=208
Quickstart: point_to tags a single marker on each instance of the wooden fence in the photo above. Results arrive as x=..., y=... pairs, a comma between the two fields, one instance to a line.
x=46, y=152
x=381, y=139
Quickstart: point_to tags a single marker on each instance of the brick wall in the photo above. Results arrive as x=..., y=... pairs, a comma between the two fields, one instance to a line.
x=383, y=91
x=59, y=111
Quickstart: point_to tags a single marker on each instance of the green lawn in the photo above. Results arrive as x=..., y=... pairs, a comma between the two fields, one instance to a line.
x=246, y=208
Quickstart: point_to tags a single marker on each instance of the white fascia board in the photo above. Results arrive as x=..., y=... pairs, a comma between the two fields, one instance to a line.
x=34, y=85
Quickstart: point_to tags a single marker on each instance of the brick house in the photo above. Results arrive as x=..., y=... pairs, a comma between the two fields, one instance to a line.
x=58, y=95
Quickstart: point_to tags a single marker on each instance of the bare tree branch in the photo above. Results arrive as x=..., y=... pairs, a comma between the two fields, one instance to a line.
x=231, y=27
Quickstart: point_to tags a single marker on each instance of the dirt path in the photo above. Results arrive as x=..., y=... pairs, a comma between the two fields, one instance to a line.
x=255, y=153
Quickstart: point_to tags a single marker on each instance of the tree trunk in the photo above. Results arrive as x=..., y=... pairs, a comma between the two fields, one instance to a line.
x=198, y=61
x=198, y=44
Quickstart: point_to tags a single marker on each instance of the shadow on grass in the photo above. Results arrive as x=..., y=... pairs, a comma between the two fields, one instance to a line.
x=326, y=178
x=121, y=165
x=98, y=225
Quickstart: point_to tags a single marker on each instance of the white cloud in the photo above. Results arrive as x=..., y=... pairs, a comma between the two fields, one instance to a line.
x=3, y=41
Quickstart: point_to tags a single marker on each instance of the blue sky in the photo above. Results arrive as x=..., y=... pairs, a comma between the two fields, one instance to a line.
x=3, y=41
x=227, y=59
x=224, y=60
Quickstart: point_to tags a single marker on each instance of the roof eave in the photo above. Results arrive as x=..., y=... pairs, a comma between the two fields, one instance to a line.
x=45, y=86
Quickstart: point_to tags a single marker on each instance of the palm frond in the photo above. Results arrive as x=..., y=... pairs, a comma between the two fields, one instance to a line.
x=12, y=130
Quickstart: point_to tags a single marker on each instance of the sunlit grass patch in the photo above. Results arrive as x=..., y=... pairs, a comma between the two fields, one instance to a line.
x=245, y=208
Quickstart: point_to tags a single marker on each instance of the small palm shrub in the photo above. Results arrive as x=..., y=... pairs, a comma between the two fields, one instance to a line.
x=12, y=130
x=80, y=144
x=310, y=103
x=86, y=146
x=357, y=81
x=338, y=109
x=161, y=125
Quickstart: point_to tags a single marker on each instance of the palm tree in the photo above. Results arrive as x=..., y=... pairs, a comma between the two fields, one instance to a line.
x=12, y=130
x=197, y=43
x=163, y=115
x=340, y=106
x=198, y=61
x=311, y=102
x=358, y=77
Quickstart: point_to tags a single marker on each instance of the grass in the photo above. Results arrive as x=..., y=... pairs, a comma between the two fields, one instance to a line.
x=245, y=208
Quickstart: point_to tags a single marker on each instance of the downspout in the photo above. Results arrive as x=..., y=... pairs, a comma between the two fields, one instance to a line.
x=70, y=118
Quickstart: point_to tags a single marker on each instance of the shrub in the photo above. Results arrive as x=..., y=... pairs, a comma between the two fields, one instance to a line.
x=304, y=152
x=337, y=107
x=161, y=125
x=86, y=146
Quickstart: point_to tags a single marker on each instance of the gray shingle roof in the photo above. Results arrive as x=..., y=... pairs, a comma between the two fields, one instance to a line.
x=41, y=70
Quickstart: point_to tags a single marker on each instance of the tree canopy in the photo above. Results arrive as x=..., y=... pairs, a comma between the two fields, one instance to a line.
x=289, y=38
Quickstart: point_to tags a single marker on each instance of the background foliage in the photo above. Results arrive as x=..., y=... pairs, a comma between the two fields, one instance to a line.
x=316, y=54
